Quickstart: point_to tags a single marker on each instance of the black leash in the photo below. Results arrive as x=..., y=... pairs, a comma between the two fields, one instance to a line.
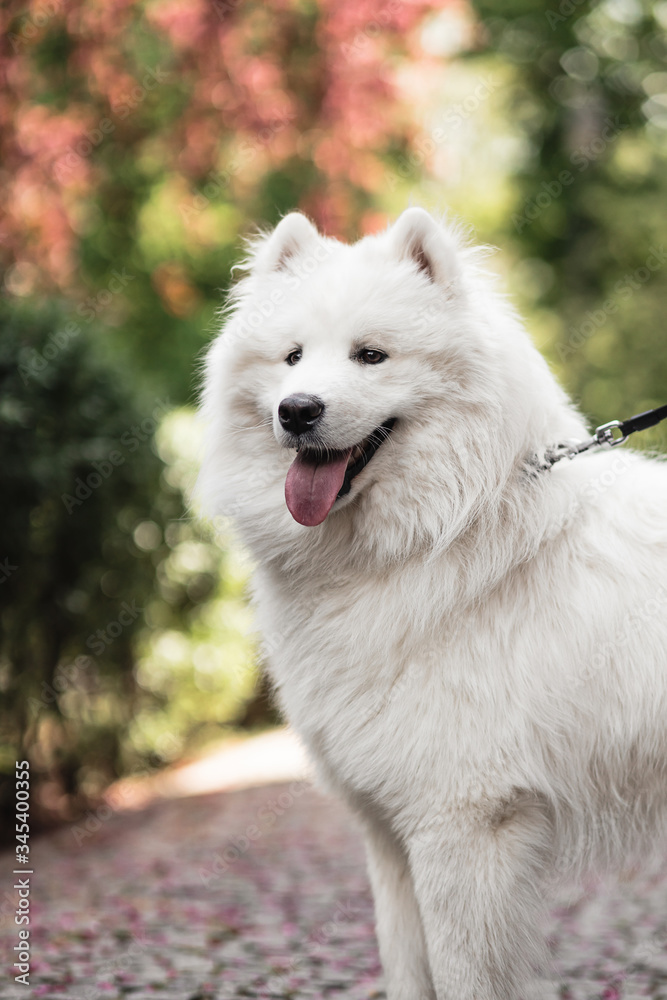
x=611, y=434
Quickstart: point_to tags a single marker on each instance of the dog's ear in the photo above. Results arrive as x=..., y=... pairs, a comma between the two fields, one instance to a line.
x=293, y=236
x=417, y=236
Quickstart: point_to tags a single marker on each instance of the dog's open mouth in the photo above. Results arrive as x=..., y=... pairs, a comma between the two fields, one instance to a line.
x=316, y=479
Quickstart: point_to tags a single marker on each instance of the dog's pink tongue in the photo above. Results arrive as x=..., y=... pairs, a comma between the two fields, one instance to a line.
x=311, y=488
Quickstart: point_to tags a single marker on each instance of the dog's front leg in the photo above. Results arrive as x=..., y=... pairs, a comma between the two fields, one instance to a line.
x=477, y=883
x=397, y=919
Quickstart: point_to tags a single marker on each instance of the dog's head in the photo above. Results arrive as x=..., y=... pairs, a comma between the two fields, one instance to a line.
x=385, y=386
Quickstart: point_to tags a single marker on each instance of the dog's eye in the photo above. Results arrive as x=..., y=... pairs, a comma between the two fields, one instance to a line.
x=371, y=356
x=294, y=356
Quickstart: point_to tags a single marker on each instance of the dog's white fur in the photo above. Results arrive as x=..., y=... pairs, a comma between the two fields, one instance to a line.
x=474, y=649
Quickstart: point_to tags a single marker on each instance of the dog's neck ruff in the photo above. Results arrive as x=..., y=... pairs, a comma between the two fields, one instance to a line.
x=606, y=435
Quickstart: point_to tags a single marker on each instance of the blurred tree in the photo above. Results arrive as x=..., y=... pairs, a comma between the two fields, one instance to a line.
x=137, y=143
x=85, y=509
x=588, y=93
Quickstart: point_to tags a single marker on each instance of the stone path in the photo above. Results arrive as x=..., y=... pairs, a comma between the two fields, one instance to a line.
x=262, y=892
x=250, y=893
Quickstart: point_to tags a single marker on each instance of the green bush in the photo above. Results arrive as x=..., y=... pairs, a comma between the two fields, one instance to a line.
x=85, y=508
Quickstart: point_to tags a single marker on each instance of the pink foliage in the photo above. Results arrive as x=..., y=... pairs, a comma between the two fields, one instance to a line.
x=294, y=82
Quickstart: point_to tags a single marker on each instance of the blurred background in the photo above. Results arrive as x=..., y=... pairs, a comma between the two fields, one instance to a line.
x=139, y=143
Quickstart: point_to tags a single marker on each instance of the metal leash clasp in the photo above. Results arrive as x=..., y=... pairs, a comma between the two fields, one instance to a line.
x=603, y=437
x=604, y=434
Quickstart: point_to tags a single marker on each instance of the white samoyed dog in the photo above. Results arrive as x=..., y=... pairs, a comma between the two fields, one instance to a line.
x=470, y=640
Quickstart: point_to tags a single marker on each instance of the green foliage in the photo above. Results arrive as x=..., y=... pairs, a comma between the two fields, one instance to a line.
x=94, y=543
x=587, y=96
x=78, y=473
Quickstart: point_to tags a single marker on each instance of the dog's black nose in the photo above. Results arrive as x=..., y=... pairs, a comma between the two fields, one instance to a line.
x=300, y=413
